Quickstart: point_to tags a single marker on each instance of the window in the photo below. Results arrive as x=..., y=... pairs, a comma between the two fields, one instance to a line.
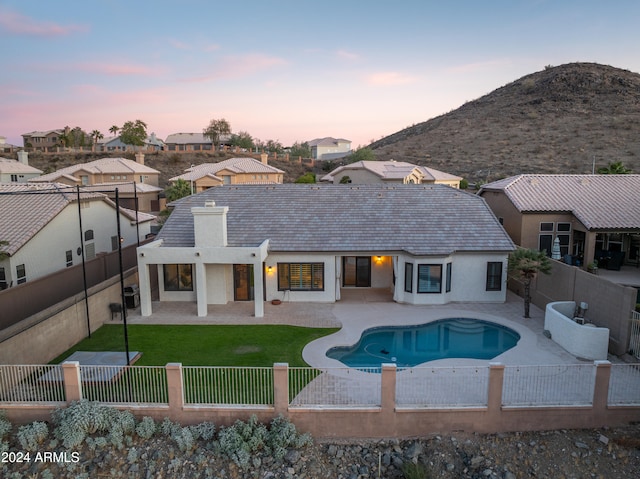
x=546, y=226
x=88, y=235
x=226, y=179
x=21, y=274
x=178, y=277
x=564, y=244
x=448, y=284
x=408, y=277
x=429, y=278
x=114, y=243
x=69, y=258
x=494, y=276
x=14, y=178
x=564, y=226
x=545, y=243
x=301, y=276
x=3, y=279
x=90, y=251
x=84, y=179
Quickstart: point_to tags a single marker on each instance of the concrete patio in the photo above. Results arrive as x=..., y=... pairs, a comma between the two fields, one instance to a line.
x=360, y=309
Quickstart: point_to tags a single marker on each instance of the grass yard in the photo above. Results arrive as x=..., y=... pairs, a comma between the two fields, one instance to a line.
x=208, y=345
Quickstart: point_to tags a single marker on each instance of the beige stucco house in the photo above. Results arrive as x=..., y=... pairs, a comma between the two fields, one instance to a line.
x=389, y=172
x=424, y=244
x=592, y=216
x=107, y=174
x=234, y=171
x=329, y=148
x=40, y=223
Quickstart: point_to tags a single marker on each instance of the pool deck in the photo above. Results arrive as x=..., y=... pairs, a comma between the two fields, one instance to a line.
x=360, y=309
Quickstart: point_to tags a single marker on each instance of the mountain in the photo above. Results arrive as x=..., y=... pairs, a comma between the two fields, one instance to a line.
x=558, y=120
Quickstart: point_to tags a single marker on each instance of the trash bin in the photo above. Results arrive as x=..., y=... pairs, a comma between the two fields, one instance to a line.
x=132, y=296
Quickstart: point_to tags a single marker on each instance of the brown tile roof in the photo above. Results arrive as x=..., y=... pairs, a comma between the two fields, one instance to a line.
x=599, y=201
x=237, y=165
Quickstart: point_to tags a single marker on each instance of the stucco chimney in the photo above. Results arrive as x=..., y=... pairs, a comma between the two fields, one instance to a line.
x=23, y=157
x=264, y=158
x=140, y=158
x=210, y=224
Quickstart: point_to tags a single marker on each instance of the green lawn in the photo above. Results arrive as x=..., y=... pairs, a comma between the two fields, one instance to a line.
x=209, y=345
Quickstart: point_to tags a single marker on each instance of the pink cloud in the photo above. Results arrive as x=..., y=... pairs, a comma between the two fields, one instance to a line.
x=239, y=67
x=116, y=69
x=346, y=55
x=390, y=78
x=14, y=22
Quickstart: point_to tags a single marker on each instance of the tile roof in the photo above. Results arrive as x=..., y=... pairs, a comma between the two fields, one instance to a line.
x=327, y=141
x=14, y=166
x=187, y=138
x=237, y=165
x=418, y=219
x=27, y=208
x=100, y=166
x=598, y=201
x=126, y=187
x=391, y=170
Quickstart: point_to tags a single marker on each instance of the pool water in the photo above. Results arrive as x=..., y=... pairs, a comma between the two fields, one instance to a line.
x=408, y=346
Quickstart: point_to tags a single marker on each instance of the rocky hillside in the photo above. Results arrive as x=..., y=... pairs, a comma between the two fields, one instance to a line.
x=554, y=121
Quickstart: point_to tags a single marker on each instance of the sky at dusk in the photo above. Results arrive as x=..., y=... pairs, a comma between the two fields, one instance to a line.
x=282, y=69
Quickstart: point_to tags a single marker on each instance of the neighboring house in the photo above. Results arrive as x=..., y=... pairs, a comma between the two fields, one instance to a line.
x=234, y=171
x=40, y=222
x=17, y=171
x=188, y=142
x=389, y=172
x=329, y=148
x=114, y=143
x=42, y=140
x=593, y=216
x=7, y=147
x=107, y=174
x=306, y=243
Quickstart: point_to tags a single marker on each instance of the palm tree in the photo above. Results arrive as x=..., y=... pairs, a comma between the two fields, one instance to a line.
x=614, y=168
x=525, y=264
x=96, y=135
x=114, y=129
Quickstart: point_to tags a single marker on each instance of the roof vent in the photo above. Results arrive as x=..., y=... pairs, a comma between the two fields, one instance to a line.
x=534, y=182
x=585, y=181
x=209, y=203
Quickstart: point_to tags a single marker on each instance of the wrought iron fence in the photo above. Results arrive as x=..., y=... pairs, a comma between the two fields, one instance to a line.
x=634, y=340
x=124, y=384
x=334, y=387
x=228, y=385
x=31, y=383
x=624, y=385
x=570, y=385
x=443, y=386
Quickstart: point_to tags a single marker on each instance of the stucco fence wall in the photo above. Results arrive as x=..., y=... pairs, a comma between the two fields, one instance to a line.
x=386, y=419
x=44, y=336
x=610, y=304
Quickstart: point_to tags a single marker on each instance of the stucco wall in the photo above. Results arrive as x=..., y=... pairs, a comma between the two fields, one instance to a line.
x=56, y=329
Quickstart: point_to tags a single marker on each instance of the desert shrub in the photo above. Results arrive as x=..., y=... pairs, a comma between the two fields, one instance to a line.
x=412, y=470
x=82, y=418
x=283, y=435
x=5, y=425
x=240, y=440
x=32, y=435
x=146, y=427
x=204, y=431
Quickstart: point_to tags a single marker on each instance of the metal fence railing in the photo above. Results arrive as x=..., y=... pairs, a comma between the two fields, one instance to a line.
x=228, y=385
x=334, y=387
x=120, y=384
x=31, y=383
x=634, y=339
x=571, y=385
x=443, y=386
x=624, y=385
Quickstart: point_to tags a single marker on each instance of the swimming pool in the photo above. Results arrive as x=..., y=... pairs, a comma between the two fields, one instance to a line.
x=408, y=346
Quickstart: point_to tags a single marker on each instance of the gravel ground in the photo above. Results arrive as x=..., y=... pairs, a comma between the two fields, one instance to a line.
x=575, y=454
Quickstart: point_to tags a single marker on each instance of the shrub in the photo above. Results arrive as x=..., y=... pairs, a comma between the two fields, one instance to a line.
x=283, y=435
x=32, y=435
x=146, y=427
x=5, y=425
x=204, y=430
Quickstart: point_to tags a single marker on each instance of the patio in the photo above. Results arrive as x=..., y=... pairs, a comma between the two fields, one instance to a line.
x=360, y=309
